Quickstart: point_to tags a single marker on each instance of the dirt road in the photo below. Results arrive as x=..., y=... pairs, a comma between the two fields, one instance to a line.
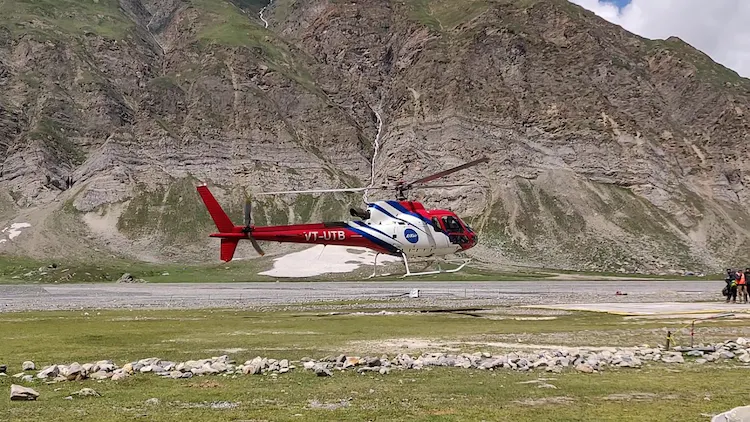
x=452, y=294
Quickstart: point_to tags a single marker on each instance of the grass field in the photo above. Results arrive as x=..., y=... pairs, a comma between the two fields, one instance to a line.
x=655, y=392
x=16, y=270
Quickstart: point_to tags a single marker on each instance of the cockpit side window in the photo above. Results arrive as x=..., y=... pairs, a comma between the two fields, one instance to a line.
x=436, y=224
x=451, y=224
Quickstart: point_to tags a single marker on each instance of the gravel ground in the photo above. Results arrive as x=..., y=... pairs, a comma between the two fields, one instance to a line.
x=259, y=295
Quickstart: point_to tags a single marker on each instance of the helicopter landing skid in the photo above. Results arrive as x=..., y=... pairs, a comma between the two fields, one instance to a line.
x=460, y=262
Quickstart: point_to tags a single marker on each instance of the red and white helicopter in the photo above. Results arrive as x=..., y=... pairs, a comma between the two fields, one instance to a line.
x=399, y=228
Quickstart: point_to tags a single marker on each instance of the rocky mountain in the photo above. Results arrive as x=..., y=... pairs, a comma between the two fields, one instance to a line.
x=608, y=151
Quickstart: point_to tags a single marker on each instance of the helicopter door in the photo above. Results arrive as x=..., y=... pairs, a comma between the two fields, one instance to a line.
x=454, y=230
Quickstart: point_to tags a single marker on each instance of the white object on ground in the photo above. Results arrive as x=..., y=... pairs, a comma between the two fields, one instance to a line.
x=738, y=414
x=14, y=230
x=317, y=260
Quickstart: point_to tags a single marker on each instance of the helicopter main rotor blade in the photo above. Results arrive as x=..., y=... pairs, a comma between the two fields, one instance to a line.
x=446, y=172
x=248, y=211
x=441, y=186
x=321, y=190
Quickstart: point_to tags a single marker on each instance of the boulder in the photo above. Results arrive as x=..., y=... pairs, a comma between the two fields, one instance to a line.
x=738, y=414
x=100, y=375
x=585, y=368
x=322, y=371
x=673, y=358
x=128, y=278
x=18, y=392
x=119, y=375
x=49, y=372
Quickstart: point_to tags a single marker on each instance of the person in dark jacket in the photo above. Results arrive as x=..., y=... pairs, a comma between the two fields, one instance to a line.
x=731, y=289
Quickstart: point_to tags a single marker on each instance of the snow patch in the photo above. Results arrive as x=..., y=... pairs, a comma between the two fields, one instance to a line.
x=13, y=231
x=322, y=259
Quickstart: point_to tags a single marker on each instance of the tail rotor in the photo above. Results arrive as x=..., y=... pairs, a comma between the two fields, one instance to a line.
x=248, y=225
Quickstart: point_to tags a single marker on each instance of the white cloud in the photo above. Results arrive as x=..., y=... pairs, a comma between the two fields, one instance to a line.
x=719, y=28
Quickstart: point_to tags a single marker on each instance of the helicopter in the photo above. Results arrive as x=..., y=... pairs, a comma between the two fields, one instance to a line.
x=401, y=228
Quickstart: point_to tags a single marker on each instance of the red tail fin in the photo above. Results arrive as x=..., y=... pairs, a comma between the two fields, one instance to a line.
x=228, y=246
x=222, y=221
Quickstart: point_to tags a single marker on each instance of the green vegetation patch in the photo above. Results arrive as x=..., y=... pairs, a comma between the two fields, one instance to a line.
x=444, y=15
x=706, y=68
x=73, y=17
x=223, y=23
x=21, y=270
x=51, y=134
x=653, y=393
x=174, y=213
x=545, y=225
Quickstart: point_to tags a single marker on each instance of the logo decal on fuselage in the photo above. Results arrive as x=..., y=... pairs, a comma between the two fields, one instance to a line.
x=411, y=236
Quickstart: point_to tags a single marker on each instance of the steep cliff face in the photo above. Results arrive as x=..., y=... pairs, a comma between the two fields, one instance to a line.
x=608, y=151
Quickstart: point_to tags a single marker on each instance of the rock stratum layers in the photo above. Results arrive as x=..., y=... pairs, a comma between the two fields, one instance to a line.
x=608, y=151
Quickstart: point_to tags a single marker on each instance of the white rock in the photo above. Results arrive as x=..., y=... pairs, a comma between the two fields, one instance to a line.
x=86, y=392
x=28, y=366
x=738, y=414
x=18, y=392
x=100, y=375
x=673, y=358
x=119, y=375
x=585, y=368
x=308, y=365
x=48, y=372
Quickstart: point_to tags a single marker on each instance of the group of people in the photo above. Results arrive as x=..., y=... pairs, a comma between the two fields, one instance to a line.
x=737, y=282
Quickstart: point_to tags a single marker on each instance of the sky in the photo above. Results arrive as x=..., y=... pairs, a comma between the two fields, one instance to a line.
x=719, y=28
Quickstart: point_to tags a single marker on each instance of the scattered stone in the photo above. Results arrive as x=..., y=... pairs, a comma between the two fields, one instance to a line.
x=308, y=365
x=545, y=400
x=545, y=385
x=49, y=372
x=127, y=278
x=674, y=357
x=152, y=401
x=224, y=405
x=18, y=392
x=3, y=369
x=549, y=361
x=315, y=404
x=86, y=392
x=322, y=371
x=119, y=375
x=585, y=368
x=28, y=366
x=630, y=397
x=100, y=375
